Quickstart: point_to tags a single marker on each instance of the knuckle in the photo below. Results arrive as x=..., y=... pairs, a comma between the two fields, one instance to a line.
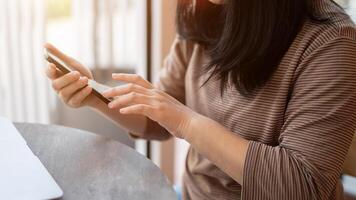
x=117, y=99
x=159, y=98
x=157, y=91
x=144, y=109
x=48, y=73
x=65, y=101
x=81, y=83
x=55, y=85
x=136, y=77
x=62, y=96
x=161, y=107
x=162, y=94
x=141, y=108
x=73, y=103
x=133, y=95
x=131, y=86
x=75, y=76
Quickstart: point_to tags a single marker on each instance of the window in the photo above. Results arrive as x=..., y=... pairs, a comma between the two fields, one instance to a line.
x=106, y=36
x=100, y=33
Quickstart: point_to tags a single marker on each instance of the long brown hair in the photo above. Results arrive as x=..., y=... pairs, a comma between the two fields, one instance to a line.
x=245, y=39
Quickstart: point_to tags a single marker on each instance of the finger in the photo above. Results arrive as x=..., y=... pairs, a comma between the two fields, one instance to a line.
x=65, y=80
x=67, y=92
x=52, y=72
x=53, y=50
x=72, y=63
x=78, y=99
x=132, y=78
x=139, y=109
x=125, y=89
x=131, y=98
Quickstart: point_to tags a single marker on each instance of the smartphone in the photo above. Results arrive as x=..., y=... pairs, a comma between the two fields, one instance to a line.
x=65, y=70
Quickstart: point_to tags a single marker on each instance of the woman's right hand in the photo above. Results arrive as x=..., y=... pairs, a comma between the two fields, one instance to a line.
x=72, y=88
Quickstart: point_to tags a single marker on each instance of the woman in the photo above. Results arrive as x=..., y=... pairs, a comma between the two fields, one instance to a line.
x=264, y=91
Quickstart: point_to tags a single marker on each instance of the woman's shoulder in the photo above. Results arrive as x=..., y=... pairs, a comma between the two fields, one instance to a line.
x=333, y=22
x=336, y=26
x=326, y=45
x=185, y=49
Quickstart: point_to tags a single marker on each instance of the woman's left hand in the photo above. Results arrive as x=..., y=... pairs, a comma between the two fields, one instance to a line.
x=142, y=98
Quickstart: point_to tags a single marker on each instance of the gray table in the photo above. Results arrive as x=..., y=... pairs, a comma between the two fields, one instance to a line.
x=87, y=166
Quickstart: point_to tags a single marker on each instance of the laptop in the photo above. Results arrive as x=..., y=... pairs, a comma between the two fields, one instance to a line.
x=22, y=175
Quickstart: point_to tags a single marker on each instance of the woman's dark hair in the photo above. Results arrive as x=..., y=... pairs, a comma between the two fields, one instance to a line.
x=245, y=39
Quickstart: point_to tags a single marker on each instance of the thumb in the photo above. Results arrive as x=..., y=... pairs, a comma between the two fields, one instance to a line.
x=53, y=50
x=69, y=61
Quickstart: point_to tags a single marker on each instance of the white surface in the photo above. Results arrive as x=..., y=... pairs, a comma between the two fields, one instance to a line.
x=349, y=184
x=22, y=174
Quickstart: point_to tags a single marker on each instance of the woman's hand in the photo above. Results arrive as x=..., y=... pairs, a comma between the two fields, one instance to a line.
x=141, y=98
x=72, y=88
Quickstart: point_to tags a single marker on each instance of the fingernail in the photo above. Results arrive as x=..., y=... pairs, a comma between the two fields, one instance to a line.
x=74, y=73
x=122, y=111
x=111, y=105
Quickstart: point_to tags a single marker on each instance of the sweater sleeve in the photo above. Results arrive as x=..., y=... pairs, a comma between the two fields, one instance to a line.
x=319, y=123
x=172, y=75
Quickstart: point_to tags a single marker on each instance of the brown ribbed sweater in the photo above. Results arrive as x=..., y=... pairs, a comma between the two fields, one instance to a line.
x=300, y=124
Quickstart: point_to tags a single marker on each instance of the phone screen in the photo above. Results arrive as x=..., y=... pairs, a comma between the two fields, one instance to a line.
x=65, y=70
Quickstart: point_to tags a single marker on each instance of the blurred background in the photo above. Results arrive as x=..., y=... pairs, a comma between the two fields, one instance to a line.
x=131, y=36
